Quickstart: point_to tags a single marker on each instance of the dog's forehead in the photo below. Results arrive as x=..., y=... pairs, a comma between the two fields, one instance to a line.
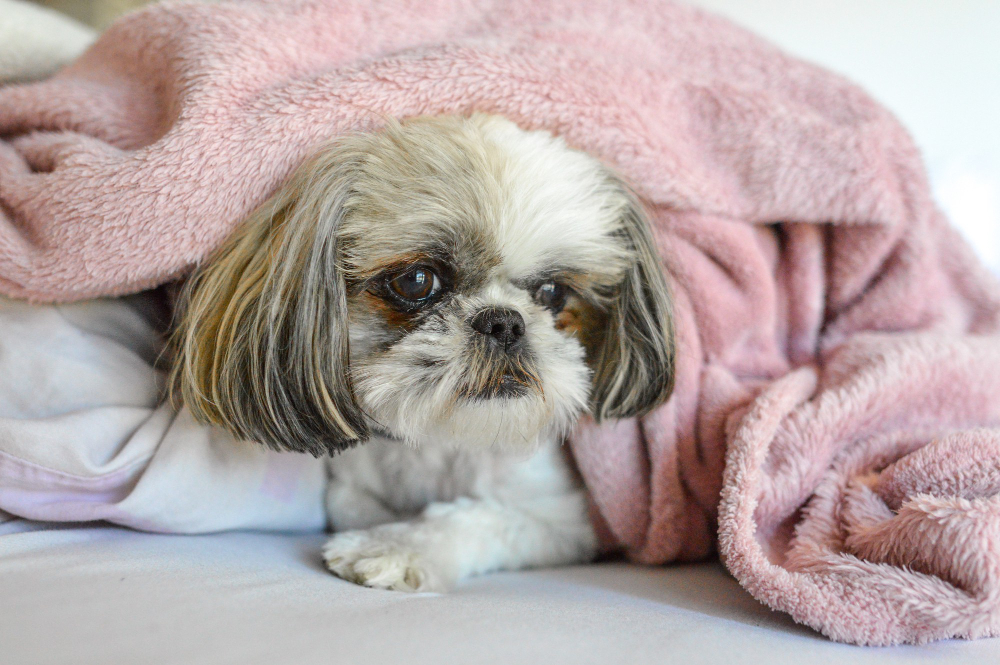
x=556, y=208
x=552, y=218
x=488, y=197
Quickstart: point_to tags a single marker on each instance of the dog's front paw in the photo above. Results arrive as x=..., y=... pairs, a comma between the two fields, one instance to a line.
x=380, y=559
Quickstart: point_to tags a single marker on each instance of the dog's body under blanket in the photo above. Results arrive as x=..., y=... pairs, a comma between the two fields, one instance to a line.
x=838, y=379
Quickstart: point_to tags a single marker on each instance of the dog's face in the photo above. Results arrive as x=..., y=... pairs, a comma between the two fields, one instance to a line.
x=451, y=278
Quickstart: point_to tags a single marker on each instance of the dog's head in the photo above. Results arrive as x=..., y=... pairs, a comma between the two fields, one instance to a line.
x=447, y=278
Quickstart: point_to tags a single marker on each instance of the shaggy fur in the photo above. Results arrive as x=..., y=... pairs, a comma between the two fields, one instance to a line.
x=293, y=335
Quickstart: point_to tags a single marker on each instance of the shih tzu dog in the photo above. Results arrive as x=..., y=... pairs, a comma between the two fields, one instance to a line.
x=437, y=303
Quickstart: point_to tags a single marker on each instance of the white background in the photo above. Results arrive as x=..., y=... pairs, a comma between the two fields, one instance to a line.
x=935, y=63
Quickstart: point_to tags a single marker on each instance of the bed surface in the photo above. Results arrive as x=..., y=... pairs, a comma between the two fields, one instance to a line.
x=106, y=595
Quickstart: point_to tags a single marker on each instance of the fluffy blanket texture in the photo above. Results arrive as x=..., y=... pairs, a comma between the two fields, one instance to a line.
x=835, y=431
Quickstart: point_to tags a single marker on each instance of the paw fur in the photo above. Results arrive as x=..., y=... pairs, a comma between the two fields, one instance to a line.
x=381, y=562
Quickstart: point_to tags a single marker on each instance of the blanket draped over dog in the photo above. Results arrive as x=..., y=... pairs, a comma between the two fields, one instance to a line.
x=835, y=430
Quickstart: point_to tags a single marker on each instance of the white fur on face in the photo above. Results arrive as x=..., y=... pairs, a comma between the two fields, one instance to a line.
x=412, y=389
x=503, y=209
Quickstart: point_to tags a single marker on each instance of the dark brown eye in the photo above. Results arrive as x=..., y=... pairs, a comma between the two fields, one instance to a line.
x=416, y=284
x=551, y=296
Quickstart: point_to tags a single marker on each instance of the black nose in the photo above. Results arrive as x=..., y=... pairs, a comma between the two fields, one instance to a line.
x=504, y=326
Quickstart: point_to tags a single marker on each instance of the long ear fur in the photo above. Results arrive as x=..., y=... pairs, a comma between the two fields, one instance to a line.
x=261, y=345
x=634, y=366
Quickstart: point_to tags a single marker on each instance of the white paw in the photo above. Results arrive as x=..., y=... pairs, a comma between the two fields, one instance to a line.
x=381, y=560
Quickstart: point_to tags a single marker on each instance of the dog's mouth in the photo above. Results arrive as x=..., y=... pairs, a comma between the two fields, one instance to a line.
x=509, y=383
x=508, y=386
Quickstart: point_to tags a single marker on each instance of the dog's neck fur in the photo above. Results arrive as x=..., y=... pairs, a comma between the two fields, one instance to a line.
x=386, y=480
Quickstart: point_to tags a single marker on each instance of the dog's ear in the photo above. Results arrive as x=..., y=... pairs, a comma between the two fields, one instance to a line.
x=634, y=360
x=261, y=344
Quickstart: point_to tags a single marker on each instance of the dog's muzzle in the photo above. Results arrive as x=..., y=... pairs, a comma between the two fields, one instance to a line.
x=503, y=366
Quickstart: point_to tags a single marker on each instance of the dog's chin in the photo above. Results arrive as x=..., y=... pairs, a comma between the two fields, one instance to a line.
x=508, y=417
x=511, y=420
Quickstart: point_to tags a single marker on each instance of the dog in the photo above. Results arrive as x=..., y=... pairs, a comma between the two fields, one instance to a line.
x=454, y=293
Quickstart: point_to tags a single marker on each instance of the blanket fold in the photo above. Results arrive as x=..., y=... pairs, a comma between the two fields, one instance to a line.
x=836, y=421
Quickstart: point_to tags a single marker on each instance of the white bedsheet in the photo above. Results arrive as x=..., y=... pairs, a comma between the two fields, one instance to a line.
x=85, y=434
x=108, y=596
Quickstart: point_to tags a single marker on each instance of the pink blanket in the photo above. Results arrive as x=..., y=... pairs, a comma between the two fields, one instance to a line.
x=835, y=432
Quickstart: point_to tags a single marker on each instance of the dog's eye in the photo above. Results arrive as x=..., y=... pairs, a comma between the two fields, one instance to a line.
x=551, y=296
x=416, y=284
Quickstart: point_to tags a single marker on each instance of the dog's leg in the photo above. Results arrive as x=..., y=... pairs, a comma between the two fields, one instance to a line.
x=454, y=540
x=350, y=507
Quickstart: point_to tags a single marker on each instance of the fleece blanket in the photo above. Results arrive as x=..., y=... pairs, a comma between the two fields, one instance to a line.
x=835, y=430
